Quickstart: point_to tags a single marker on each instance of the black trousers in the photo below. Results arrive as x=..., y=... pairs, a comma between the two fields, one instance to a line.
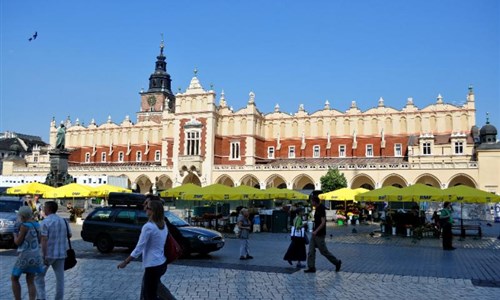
x=151, y=281
x=447, y=235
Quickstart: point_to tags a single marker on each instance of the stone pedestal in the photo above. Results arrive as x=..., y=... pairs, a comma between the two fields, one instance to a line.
x=58, y=175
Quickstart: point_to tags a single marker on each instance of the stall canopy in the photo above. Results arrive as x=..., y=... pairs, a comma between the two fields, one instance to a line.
x=32, y=188
x=213, y=192
x=277, y=193
x=251, y=193
x=416, y=193
x=378, y=195
x=466, y=194
x=105, y=189
x=343, y=194
x=72, y=190
x=178, y=191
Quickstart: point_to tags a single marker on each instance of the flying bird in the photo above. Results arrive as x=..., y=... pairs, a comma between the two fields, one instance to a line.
x=33, y=37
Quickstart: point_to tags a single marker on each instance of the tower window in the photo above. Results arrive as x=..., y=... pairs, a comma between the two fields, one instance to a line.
x=192, y=142
x=341, y=150
x=316, y=151
x=459, y=147
x=426, y=148
x=235, y=151
x=398, y=150
x=270, y=152
x=369, y=150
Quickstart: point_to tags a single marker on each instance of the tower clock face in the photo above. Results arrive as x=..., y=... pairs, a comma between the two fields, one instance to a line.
x=151, y=100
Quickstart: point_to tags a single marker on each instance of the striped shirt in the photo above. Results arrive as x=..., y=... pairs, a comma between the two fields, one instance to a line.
x=54, y=228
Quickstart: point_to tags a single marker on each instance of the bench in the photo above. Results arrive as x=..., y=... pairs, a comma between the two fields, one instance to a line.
x=463, y=229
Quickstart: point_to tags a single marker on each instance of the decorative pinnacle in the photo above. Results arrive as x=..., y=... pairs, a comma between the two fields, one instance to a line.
x=195, y=71
x=162, y=45
x=487, y=118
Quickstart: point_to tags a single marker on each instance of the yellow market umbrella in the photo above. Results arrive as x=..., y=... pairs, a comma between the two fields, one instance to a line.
x=32, y=188
x=277, y=193
x=72, y=190
x=342, y=194
x=213, y=192
x=180, y=190
x=105, y=189
x=416, y=193
x=466, y=194
x=251, y=193
x=376, y=195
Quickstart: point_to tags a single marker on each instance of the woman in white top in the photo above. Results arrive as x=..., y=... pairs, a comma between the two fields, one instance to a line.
x=150, y=245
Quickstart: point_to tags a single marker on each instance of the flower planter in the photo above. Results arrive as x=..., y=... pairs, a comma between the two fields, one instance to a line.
x=408, y=231
x=394, y=230
x=340, y=222
x=79, y=221
x=382, y=228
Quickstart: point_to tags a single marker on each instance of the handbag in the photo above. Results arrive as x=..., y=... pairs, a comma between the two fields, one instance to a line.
x=237, y=230
x=172, y=250
x=306, y=238
x=70, y=260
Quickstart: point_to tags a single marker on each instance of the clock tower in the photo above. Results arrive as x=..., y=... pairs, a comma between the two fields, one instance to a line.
x=159, y=96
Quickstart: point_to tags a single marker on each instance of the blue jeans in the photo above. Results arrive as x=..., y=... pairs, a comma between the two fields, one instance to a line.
x=244, y=249
x=58, y=267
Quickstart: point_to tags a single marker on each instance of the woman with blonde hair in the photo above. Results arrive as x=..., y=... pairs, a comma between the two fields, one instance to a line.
x=150, y=245
x=29, y=259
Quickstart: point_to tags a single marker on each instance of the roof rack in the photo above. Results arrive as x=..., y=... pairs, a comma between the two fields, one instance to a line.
x=128, y=199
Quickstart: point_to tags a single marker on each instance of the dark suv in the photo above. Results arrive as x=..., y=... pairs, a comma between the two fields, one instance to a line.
x=8, y=216
x=120, y=225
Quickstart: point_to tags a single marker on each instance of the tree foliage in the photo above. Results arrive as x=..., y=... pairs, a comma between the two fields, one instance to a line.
x=333, y=180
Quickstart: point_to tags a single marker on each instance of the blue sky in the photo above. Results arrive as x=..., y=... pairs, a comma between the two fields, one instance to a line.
x=91, y=58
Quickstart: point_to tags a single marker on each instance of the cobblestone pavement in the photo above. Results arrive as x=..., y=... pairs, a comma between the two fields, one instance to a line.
x=373, y=267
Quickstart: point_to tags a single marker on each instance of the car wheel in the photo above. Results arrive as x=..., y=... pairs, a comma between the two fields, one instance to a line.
x=104, y=243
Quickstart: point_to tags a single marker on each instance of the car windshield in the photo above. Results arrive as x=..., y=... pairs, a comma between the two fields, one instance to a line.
x=175, y=220
x=9, y=206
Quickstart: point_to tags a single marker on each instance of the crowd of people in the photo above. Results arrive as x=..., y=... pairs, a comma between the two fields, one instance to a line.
x=44, y=245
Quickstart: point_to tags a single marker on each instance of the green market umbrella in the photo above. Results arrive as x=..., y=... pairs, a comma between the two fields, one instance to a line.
x=213, y=192
x=467, y=194
x=378, y=195
x=416, y=193
x=277, y=193
x=251, y=193
x=180, y=190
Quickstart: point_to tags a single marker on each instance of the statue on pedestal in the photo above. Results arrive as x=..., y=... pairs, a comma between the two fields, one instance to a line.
x=60, y=137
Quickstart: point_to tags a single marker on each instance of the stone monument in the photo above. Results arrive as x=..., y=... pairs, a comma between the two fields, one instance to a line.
x=58, y=175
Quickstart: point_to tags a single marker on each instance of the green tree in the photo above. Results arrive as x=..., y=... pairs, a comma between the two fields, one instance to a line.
x=333, y=180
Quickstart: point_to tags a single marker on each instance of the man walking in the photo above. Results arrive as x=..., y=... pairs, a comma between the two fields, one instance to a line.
x=318, y=239
x=54, y=242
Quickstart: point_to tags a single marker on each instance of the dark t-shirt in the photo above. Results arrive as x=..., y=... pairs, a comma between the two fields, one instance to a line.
x=318, y=214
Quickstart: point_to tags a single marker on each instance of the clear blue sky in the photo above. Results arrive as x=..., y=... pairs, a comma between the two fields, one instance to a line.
x=92, y=57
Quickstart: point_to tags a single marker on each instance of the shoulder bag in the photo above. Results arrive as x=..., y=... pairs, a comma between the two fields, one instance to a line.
x=172, y=250
x=70, y=260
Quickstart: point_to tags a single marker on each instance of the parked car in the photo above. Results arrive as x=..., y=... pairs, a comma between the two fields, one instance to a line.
x=119, y=225
x=9, y=206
